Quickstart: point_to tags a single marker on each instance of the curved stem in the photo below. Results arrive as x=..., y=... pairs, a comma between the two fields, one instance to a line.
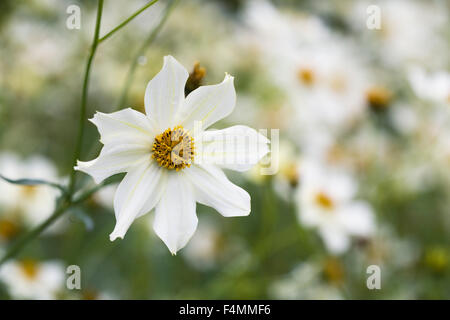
x=62, y=207
x=93, y=149
x=84, y=97
x=17, y=247
x=68, y=200
x=151, y=37
x=124, y=23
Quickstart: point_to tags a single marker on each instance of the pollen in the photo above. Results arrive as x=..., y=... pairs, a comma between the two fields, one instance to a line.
x=174, y=149
x=324, y=201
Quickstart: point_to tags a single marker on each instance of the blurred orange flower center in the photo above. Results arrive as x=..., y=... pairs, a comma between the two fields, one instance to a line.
x=378, y=97
x=28, y=191
x=7, y=229
x=324, y=201
x=30, y=268
x=306, y=76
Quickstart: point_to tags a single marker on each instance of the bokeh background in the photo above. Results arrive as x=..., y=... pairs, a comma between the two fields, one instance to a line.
x=364, y=149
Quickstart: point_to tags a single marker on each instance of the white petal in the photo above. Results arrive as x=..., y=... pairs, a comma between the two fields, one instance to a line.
x=133, y=193
x=212, y=188
x=175, y=218
x=114, y=159
x=237, y=148
x=165, y=93
x=357, y=218
x=336, y=240
x=208, y=104
x=125, y=126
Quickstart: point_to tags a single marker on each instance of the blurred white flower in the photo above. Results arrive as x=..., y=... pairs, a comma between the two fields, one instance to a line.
x=326, y=201
x=287, y=176
x=31, y=279
x=304, y=283
x=411, y=31
x=405, y=118
x=157, y=152
x=321, y=73
x=434, y=87
x=41, y=49
x=202, y=251
x=105, y=196
x=28, y=204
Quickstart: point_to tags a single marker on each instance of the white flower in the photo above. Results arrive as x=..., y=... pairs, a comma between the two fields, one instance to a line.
x=105, y=196
x=30, y=279
x=287, y=175
x=304, y=282
x=411, y=31
x=322, y=74
x=434, y=87
x=325, y=200
x=157, y=152
x=202, y=251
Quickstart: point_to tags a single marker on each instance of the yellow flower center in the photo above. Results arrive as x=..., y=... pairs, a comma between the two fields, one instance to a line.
x=29, y=191
x=174, y=149
x=306, y=76
x=334, y=270
x=324, y=201
x=8, y=229
x=378, y=97
x=30, y=268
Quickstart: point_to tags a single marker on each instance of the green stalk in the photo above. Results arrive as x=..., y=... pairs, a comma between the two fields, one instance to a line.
x=124, y=23
x=17, y=247
x=93, y=149
x=61, y=208
x=84, y=95
x=147, y=42
x=68, y=201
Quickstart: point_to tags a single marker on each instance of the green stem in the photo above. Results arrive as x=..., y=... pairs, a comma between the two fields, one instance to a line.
x=93, y=150
x=17, y=247
x=84, y=97
x=147, y=42
x=61, y=208
x=124, y=23
x=68, y=201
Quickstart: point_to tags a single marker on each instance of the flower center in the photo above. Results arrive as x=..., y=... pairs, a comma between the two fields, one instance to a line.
x=174, y=149
x=378, y=97
x=306, y=76
x=29, y=191
x=7, y=229
x=30, y=268
x=324, y=201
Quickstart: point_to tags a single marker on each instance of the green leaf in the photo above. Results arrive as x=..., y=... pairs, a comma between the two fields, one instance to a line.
x=33, y=182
